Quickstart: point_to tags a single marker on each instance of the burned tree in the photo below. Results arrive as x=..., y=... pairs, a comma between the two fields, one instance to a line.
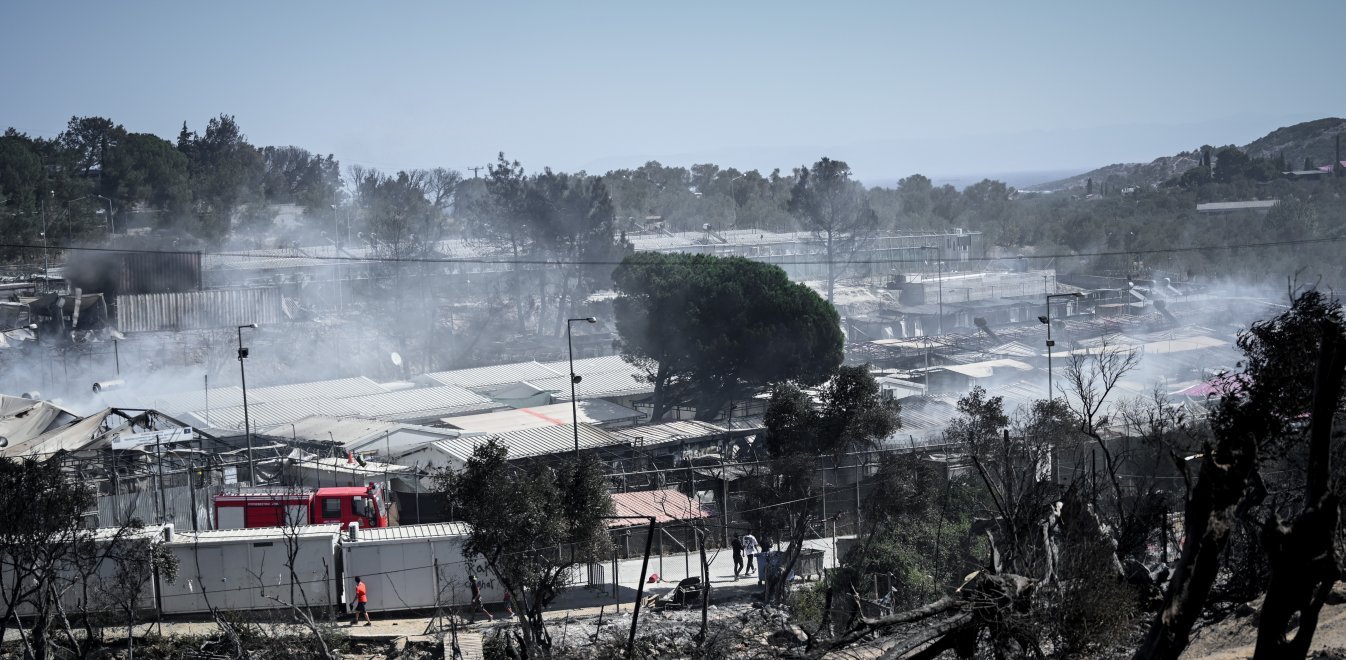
x=850, y=415
x=533, y=524
x=1292, y=370
x=41, y=537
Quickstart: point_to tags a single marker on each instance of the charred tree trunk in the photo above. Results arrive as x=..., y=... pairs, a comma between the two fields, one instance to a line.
x=1221, y=493
x=1303, y=561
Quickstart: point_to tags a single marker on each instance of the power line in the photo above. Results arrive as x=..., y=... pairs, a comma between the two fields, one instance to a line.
x=784, y=262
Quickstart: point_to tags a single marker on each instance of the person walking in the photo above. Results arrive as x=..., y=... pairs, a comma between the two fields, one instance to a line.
x=476, y=600
x=737, y=545
x=361, y=602
x=750, y=549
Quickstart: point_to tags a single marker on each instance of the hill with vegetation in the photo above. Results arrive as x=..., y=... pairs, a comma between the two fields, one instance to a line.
x=1310, y=143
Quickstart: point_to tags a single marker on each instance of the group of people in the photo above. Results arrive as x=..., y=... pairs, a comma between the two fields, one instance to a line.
x=747, y=546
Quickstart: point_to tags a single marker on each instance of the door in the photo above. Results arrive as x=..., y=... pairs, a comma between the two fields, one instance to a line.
x=262, y=516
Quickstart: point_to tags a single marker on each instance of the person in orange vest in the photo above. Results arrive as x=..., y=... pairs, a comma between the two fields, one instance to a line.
x=361, y=602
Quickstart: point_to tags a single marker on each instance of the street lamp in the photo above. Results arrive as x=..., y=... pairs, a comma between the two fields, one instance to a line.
x=1047, y=320
x=243, y=377
x=46, y=268
x=733, y=201
x=111, y=224
x=939, y=264
x=574, y=409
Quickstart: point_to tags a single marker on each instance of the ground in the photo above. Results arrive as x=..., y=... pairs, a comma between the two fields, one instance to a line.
x=595, y=624
x=1235, y=637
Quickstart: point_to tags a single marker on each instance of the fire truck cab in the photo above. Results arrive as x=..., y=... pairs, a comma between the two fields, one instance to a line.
x=262, y=507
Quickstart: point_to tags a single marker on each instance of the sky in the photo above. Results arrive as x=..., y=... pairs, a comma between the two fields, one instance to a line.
x=948, y=89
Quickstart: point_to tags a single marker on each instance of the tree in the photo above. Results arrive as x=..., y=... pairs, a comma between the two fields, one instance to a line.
x=90, y=141
x=42, y=537
x=146, y=169
x=835, y=209
x=915, y=192
x=1231, y=164
x=21, y=182
x=1257, y=424
x=706, y=329
x=225, y=171
x=851, y=415
x=522, y=517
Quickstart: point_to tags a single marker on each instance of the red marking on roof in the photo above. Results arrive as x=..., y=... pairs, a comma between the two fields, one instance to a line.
x=543, y=417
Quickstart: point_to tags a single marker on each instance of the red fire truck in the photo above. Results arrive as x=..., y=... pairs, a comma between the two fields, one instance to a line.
x=270, y=507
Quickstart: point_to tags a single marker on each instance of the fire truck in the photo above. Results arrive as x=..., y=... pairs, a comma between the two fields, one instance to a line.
x=269, y=507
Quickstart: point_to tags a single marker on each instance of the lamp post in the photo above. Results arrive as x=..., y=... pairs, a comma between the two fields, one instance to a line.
x=46, y=269
x=574, y=408
x=1047, y=320
x=111, y=223
x=939, y=265
x=243, y=377
x=733, y=201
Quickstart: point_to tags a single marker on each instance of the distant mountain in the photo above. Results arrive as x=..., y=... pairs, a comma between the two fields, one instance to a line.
x=1313, y=139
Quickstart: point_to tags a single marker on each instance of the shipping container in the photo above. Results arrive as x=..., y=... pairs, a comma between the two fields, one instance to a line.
x=199, y=310
x=100, y=583
x=248, y=569
x=116, y=274
x=416, y=567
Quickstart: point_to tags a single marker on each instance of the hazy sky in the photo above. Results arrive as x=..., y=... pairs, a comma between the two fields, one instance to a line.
x=939, y=87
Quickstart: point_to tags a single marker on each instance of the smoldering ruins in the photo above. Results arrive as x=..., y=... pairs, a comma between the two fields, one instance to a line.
x=1035, y=426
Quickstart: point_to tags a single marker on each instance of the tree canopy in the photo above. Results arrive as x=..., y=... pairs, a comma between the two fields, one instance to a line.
x=707, y=329
x=835, y=209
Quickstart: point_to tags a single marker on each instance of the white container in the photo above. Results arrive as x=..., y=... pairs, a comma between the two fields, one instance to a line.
x=248, y=569
x=399, y=564
x=96, y=587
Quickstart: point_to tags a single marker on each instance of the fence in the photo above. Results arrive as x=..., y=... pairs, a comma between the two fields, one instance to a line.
x=174, y=504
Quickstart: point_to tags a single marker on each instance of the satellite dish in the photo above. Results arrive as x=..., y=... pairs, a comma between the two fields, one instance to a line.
x=397, y=358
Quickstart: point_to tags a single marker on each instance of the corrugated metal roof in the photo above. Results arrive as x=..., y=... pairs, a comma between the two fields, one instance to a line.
x=409, y=532
x=329, y=389
x=420, y=403
x=926, y=414
x=551, y=440
x=1013, y=349
x=657, y=434
x=343, y=466
x=1254, y=205
x=985, y=369
x=109, y=533
x=355, y=432
x=264, y=415
x=664, y=505
x=593, y=411
x=586, y=366
x=597, y=385
x=339, y=430
x=503, y=374
x=254, y=534
x=184, y=400
x=457, y=448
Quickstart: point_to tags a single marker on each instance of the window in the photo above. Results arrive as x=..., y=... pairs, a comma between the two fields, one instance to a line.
x=331, y=507
x=358, y=506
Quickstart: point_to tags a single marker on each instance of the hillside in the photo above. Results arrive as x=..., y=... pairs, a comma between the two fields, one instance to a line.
x=1313, y=139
